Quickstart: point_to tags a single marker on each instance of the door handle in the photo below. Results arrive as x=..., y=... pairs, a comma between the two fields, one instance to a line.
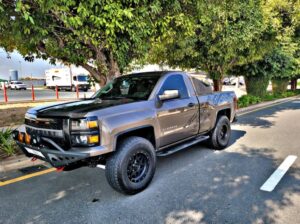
x=191, y=104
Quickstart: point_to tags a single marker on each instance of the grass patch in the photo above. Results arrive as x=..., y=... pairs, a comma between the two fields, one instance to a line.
x=248, y=100
x=12, y=116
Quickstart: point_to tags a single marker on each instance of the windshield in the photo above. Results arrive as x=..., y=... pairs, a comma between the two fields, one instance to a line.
x=82, y=78
x=132, y=87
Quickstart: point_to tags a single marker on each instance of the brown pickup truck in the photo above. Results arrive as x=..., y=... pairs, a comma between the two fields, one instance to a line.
x=127, y=124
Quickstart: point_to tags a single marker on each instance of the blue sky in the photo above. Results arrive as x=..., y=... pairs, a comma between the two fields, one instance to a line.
x=25, y=68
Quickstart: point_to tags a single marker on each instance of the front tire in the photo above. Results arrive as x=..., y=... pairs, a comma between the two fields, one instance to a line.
x=220, y=135
x=131, y=169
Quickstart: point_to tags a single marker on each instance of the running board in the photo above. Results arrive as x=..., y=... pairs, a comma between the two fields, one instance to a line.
x=181, y=146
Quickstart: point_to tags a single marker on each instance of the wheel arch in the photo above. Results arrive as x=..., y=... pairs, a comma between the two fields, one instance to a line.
x=146, y=132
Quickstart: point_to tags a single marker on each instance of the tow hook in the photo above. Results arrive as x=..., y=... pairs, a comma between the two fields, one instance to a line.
x=60, y=169
x=33, y=159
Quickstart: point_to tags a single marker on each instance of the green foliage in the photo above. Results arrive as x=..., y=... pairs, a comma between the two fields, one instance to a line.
x=7, y=144
x=247, y=100
x=282, y=62
x=213, y=36
x=102, y=36
x=257, y=85
x=279, y=85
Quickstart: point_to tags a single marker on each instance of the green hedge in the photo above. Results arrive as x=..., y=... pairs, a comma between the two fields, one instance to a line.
x=248, y=100
x=257, y=85
x=279, y=85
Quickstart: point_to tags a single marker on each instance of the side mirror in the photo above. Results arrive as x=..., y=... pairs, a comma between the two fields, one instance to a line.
x=167, y=95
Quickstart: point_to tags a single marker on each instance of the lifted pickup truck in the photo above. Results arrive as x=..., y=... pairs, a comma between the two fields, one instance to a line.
x=127, y=124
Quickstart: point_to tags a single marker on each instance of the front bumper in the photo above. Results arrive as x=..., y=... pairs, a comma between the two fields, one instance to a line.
x=54, y=157
x=57, y=156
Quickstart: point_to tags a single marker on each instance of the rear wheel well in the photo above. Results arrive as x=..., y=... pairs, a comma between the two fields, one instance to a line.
x=146, y=132
x=224, y=112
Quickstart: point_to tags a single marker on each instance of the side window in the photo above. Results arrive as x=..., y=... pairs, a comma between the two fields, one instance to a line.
x=201, y=87
x=175, y=82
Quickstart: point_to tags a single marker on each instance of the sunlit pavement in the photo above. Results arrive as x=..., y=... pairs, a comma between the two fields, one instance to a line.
x=196, y=185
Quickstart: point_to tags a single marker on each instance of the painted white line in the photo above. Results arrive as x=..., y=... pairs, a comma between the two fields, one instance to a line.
x=274, y=179
x=101, y=166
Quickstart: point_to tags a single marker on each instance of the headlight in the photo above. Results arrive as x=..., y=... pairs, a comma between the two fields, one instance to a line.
x=84, y=124
x=85, y=132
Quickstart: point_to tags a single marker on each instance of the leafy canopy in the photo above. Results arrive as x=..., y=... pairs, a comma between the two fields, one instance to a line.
x=103, y=36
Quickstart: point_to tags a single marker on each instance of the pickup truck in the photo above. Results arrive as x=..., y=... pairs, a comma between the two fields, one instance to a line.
x=128, y=123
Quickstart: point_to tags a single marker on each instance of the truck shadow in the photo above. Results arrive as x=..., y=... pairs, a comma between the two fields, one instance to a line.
x=196, y=185
x=262, y=118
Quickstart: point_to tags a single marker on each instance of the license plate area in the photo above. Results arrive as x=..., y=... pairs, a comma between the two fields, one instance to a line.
x=34, y=152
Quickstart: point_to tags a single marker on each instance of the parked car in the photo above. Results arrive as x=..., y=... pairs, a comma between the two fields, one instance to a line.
x=127, y=124
x=17, y=85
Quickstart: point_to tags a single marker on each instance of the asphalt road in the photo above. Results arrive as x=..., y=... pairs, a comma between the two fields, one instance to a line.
x=196, y=185
x=40, y=94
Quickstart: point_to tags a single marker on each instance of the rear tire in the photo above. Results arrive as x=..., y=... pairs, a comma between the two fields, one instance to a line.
x=220, y=135
x=131, y=169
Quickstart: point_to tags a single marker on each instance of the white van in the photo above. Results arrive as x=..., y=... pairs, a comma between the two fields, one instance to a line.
x=67, y=79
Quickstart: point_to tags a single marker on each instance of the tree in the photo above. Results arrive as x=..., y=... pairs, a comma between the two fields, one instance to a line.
x=281, y=63
x=212, y=36
x=103, y=36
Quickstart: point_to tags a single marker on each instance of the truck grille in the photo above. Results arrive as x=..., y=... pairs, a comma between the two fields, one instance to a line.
x=56, y=124
x=44, y=132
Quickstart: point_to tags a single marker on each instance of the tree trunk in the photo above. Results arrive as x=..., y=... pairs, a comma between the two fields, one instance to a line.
x=113, y=68
x=279, y=85
x=256, y=85
x=217, y=84
x=294, y=84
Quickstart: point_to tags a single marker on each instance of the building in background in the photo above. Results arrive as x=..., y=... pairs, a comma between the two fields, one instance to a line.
x=13, y=75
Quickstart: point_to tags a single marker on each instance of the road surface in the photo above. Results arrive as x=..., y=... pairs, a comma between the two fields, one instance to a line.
x=41, y=94
x=196, y=185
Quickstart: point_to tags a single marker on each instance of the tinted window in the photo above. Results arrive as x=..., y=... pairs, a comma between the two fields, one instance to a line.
x=82, y=78
x=175, y=82
x=132, y=87
x=201, y=87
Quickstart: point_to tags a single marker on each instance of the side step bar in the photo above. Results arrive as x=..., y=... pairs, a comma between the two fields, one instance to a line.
x=181, y=146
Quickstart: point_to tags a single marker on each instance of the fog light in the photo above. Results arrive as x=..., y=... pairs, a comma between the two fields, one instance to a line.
x=93, y=139
x=21, y=137
x=27, y=138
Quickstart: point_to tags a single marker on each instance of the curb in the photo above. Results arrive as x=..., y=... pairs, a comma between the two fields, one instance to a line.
x=18, y=162
x=264, y=105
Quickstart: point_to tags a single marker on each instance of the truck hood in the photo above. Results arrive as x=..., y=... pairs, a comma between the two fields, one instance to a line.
x=75, y=109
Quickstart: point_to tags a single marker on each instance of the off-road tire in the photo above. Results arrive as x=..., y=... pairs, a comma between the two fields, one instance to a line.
x=118, y=169
x=218, y=140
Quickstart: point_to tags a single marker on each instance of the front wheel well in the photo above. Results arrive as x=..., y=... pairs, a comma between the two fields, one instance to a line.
x=145, y=132
x=224, y=112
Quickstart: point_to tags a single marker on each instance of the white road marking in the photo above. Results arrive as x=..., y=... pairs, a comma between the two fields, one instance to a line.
x=274, y=179
x=101, y=166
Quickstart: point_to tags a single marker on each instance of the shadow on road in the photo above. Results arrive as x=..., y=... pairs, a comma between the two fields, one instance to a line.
x=260, y=118
x=197, y=185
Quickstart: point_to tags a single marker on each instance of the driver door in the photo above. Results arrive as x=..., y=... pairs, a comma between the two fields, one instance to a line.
x=178, y=118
